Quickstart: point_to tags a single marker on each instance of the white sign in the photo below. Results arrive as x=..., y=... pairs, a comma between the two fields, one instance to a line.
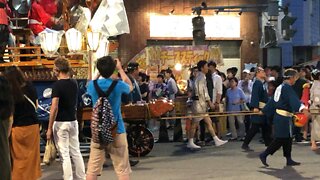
x=181, y=26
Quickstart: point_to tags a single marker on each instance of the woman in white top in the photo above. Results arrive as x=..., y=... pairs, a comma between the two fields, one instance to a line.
x=315, y=104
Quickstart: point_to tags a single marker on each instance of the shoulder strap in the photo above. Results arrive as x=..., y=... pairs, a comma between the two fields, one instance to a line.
x=112, y=86
x=31, y=102
x=100, y=92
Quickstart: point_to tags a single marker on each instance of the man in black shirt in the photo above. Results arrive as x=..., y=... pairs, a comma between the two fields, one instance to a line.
x=63, y=122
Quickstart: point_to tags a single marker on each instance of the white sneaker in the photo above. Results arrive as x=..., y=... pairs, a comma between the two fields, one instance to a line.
x=219, y=142
x=193, y=146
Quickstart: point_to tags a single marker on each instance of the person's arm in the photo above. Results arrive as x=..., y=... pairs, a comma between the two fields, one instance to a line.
x=123, y=75
x=10, y=125
x=53, y=116
x=219, y=87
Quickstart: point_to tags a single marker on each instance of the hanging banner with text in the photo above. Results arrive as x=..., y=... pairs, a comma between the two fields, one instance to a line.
x=168, y=56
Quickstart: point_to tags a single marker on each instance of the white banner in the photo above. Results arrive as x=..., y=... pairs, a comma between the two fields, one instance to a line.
x=181, y=26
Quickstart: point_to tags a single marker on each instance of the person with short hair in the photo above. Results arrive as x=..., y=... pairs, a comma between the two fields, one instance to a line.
x=284, y=103
x=133, y=75
x=6, y=110
x=160, y=88
x=63, y=122
x=258, y=100
x=25, y=137
x=235, y=98
x=200, y=106
x=118, y=149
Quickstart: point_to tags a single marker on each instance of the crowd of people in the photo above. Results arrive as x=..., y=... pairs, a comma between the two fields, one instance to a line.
x=274, y=99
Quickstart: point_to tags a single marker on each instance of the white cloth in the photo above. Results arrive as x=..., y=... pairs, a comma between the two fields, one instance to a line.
x=247, y=90
x=110, y=18
x=66, y=139
x=217, y=86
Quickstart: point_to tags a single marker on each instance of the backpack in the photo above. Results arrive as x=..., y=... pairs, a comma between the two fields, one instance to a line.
x=103, y=124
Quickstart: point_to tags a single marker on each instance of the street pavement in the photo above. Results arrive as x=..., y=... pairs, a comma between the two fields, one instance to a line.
x=173, y=161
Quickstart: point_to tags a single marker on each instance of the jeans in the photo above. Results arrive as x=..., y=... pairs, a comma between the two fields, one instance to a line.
x=66, y=139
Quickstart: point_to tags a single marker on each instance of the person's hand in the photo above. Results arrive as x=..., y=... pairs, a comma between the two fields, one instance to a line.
x=255, y=110
x=211, y=105
x=306, y=113
x=118, y=64
x=49, y=134
x=60, y=21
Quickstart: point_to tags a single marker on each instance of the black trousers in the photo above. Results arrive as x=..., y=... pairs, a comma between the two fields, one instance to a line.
x=254, y=129
x=4, y=38
x=286, y=144
x=297, y=133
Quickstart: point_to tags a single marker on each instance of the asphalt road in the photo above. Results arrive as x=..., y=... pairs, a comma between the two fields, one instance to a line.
x=173, y=161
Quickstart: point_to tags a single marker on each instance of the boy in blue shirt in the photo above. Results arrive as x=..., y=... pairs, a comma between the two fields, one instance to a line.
x=118, y=150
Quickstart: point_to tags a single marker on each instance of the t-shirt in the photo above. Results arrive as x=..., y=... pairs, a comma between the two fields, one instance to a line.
x=67, y=92
x=114, y=98
x=5, y=167
x=25, y=112
x=234, y=96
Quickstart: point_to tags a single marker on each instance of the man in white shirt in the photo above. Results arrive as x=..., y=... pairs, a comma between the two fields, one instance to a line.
x=217, y=92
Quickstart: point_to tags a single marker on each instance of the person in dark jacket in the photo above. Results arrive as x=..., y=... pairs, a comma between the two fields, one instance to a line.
x=282, y=107
x=6, y=110
x=258, y=100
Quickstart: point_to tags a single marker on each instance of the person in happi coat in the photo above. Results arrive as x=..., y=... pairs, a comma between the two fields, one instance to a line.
x=4, y=27
x=40, y=19
x=283, y=106
x=259, y=98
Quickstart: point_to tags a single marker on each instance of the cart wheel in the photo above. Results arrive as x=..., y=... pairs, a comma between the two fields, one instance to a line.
x=140, y=141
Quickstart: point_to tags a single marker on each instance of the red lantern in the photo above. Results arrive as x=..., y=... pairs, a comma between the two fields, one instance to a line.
x=300, y=119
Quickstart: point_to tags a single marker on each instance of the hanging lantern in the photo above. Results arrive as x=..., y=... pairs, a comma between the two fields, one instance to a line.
x=93, y=40
x=50, y=42
x=103, y=49
x=74, y=40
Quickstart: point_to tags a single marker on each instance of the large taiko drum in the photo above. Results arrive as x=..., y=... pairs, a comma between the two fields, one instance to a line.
x=300, y=119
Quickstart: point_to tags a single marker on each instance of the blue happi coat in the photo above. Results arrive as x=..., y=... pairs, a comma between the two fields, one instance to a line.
x=284, y=99
x=259, y=94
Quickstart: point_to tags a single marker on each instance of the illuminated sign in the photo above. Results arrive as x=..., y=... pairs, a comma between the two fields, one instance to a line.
x=217, y=26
